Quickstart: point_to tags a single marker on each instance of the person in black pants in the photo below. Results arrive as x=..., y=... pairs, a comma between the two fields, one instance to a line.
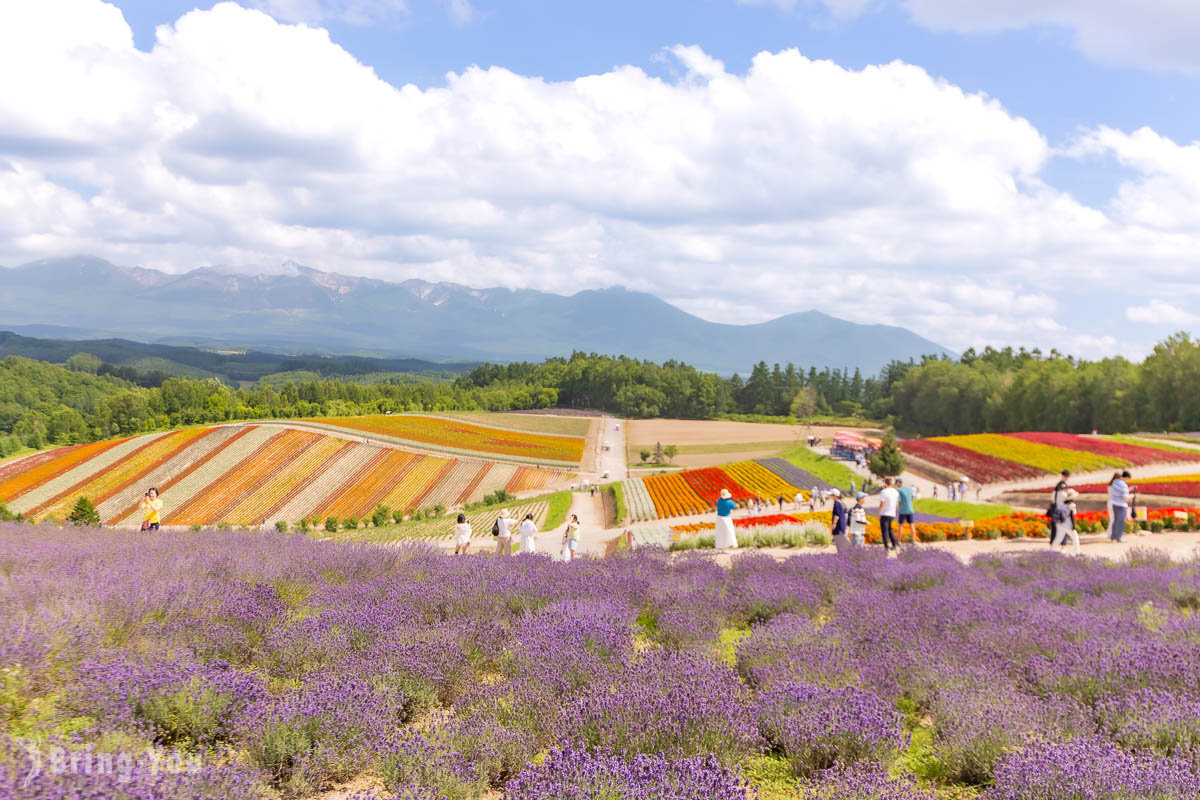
x=889, y=502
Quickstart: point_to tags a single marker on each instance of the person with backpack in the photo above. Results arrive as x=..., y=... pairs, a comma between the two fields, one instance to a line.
x=462, y=535
x=858, y=521
x=502, y=530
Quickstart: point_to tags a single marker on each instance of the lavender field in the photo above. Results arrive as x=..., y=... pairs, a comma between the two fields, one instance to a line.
x=248, y=665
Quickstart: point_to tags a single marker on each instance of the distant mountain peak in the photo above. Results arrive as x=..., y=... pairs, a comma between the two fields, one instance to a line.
x=298, y=308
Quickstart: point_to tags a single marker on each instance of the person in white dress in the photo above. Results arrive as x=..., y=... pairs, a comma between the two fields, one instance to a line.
x=462, y=535
x=726, y=539
x=503, y=530
x=527, y=530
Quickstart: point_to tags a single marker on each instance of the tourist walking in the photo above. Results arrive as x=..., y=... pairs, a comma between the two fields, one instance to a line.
x=950, y=492
x=502, y=530
x=462, y=535
x=858, y=521
x=151, y=507
x=1116, y=476
x=527, y=530
x=726, y=539
x=1118, y=495
x=798, y=499
x=780, y=504
x=1057, y=512
x=889, y=501
x=837, y=522
x=906, y=511
x=570, y=538
x=1067, y=527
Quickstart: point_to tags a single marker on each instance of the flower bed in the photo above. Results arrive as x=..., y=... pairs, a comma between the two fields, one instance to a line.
x=674, y=496
x=1129, y=454
x=1043, y=457
x=978, y=467
x=288, y=665
x=463, y=437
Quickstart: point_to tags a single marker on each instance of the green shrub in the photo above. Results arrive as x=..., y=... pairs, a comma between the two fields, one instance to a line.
x=817, y=536
x=331, y=524
x=380, y=516
x=398, y=515
x=8, y=516
x=224, y=525
x=350, y=523
x=303, y=524
x=281, y=526
x=84, y=513
x=685, y=543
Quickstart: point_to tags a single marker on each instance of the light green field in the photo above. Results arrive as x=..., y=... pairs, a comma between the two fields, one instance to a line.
x=972, y=511
x=822, y=467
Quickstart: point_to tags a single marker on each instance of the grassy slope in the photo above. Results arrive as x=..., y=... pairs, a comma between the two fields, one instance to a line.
x=973, y=511
x=619, y=495
x=556, y=515
x=821, y=466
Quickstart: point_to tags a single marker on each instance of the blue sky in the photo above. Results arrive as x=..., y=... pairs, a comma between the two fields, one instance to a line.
x=981, y=173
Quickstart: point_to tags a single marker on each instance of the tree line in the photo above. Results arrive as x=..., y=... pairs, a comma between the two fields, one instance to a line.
x=993, y=390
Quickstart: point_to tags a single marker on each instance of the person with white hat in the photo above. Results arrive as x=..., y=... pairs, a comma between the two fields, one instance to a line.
x=858, y=521
x=726, y=538
x=502, y=530
x=837, y=521
x=1067, y=527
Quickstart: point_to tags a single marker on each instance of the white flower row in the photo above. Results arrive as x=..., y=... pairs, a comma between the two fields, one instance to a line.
x=200, y=480
x=340, y=470
x=638, y=501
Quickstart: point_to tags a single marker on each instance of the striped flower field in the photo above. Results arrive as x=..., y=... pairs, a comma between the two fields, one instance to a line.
x=460, y=437
x=253, y=475
x=995, y=457
x=696, y=491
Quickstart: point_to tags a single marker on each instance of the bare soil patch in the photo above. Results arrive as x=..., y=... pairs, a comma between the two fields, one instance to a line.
x=689, y=432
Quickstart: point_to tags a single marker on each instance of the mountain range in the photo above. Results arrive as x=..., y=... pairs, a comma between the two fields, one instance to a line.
x=303, y=310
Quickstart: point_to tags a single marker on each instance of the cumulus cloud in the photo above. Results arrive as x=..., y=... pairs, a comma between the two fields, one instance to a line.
x=880, y=195
x=1159, y=34
x=1161, y=313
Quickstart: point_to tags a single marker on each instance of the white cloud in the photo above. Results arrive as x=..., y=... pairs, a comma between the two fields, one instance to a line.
x=880, y=194
x=1160, y=313
x=1159, y=34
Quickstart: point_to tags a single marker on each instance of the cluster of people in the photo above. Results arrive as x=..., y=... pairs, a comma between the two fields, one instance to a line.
x=1062, y=510
x=526, y=530
x=957, y=491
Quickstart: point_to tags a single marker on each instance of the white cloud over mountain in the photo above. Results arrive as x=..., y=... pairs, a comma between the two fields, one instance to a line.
x=879, y=194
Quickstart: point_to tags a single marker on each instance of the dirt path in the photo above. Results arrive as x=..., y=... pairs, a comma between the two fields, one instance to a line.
x=1179, y=546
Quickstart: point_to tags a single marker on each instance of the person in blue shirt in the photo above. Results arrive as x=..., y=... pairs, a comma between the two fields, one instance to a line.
x=905, y=513
x=837, y=521
x=726, y=539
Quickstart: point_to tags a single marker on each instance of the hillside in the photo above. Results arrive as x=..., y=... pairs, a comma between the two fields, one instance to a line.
x=306, y=310
x=257, y=474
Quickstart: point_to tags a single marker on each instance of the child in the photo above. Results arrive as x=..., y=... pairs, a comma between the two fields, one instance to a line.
x=858, y=521
x=570, y=538
x=1067, y=528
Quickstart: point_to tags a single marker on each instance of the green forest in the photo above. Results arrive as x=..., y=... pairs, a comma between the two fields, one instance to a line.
x=993, y=390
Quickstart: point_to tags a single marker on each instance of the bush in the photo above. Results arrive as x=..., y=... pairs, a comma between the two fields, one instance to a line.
x=84, y=513
x=195, y=527
x=8, y=516
x=331, y=524
x=350, y=523
x=397, y=515
x=380, y=516
x=817, y=727
x=281, y=526
x=303, y=524
x=224, y=525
